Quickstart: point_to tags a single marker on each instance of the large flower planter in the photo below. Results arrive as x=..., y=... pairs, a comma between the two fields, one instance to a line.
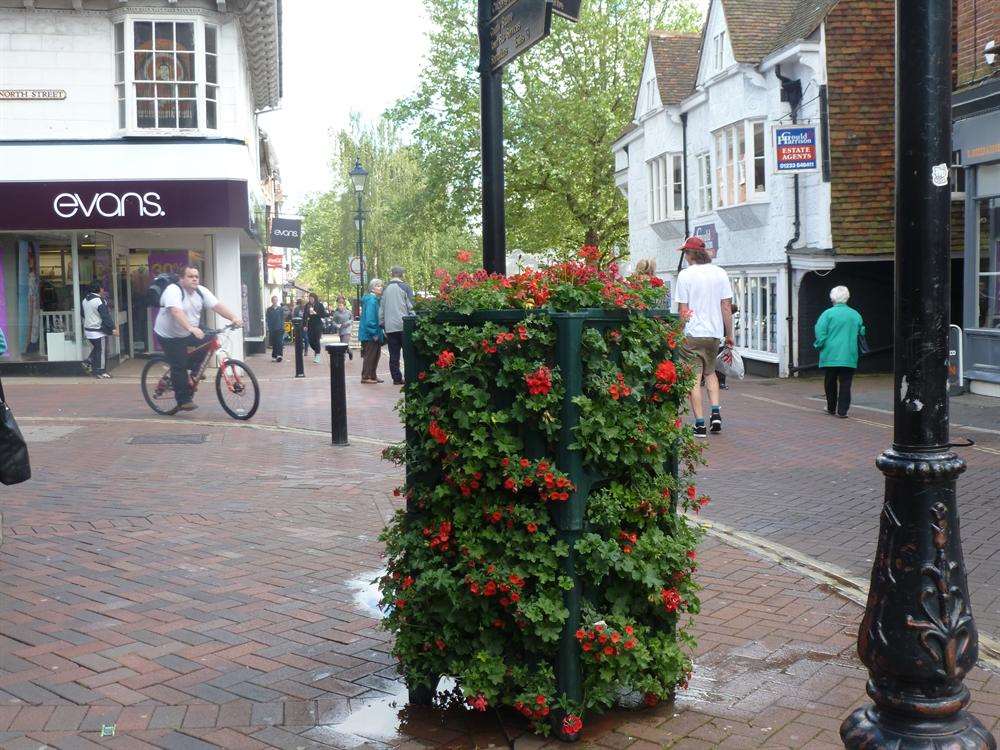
x=540, y=560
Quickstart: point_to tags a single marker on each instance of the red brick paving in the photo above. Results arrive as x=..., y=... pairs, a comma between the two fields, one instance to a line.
x=199, y=596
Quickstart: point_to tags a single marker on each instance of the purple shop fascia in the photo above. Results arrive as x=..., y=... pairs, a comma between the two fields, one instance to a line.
x=57, y=238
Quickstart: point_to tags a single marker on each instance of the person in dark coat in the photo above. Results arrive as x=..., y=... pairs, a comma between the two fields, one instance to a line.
x=275, y=317
x=313, y=322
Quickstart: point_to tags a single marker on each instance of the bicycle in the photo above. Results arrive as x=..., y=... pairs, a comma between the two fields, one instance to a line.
x=235, y=384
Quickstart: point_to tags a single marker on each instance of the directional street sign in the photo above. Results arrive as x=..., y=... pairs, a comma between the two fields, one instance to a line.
x=517, y=26
x=569, y=9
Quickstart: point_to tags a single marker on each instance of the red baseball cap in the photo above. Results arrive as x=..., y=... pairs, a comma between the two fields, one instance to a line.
x=693, y=243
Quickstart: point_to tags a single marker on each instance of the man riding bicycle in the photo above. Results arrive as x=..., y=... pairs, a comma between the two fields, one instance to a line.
x=177, y=325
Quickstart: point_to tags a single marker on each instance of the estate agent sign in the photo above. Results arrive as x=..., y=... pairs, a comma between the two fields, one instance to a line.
x=796, y=148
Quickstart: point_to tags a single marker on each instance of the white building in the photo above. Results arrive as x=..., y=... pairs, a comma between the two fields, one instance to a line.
x=128, y=146
x=699, y=158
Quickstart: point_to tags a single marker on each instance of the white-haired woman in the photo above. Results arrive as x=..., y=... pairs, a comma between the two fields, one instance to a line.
x=370, y=333
x=837, y=332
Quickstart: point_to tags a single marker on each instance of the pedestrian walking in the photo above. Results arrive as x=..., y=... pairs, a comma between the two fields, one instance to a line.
x=397, y=302
x=370, y=333
x=313, y=322
x=646, y=267
x=837, y=332
x=704, y=297
x=98, y=325
x=343, y=320
x=275, y=318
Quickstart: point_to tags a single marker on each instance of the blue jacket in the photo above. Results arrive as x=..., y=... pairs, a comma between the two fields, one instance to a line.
x=369, y=328
x=837, y=333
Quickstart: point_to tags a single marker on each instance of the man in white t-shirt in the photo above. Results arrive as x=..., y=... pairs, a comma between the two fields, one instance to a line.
x=705, y=299
x=177, y=326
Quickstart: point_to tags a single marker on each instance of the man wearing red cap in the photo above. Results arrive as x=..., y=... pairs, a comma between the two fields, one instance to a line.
x=705, y=300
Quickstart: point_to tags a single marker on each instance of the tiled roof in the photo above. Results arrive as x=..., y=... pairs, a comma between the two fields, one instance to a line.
x=630, y=128
x=675, y=58
x=759, y=27
x=806, y=18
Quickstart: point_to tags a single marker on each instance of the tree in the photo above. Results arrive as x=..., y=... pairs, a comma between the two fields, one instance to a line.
x=399, y=227
x=565, y=102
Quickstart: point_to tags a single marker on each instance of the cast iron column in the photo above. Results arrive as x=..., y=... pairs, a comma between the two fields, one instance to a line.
x=300, y=370
x=491, y=111
x=361, y=246
x=917, y=637
x=338, y=393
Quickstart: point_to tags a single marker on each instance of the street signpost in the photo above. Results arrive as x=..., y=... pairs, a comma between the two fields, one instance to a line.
x=354, y=270
x=507, y=28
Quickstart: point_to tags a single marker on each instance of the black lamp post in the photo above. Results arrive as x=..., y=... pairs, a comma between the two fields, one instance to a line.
x=359, y=177
x=918, y=638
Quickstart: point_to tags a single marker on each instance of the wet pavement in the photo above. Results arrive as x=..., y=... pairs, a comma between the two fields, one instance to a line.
x=219, y=594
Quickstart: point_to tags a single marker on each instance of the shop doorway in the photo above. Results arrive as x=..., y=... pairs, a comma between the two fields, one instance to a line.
x=141, y=268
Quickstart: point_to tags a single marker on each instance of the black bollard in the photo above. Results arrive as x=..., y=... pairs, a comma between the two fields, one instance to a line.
x=918, y=638
x=338, y=393
x=300, y=369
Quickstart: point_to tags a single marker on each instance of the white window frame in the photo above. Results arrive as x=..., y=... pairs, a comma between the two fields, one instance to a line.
x=957, y=177
x=662, y=192
x=734, y=152
x=651, y=94
x=704, y=162
x=719, y=51
x=756, y=327
x=131, y=125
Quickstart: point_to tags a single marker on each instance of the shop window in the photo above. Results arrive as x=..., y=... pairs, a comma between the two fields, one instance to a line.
x=740, y=164
x=988, y=297
x=159, y=82
x=665, y=175
x=755, y=325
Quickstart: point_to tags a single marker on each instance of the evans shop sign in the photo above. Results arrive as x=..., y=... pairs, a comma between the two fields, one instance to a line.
x=796, y=148
x=142, y=204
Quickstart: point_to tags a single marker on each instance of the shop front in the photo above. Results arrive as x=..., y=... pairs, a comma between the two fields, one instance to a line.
x=977, y=136
x=58, y=238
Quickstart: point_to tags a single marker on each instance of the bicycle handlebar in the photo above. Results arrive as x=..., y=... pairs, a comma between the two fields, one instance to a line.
x=217, y=331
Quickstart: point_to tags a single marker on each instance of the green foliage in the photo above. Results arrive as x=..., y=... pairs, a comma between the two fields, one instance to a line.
x=398, y=228
x=565, y=102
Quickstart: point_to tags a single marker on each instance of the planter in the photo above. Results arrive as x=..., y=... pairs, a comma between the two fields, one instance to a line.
x=541, y=560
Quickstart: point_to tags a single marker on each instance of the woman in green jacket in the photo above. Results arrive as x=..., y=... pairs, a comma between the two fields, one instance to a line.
x=837, y=332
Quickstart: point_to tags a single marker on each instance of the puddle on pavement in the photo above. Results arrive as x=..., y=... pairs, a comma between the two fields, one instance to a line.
x=366, y=595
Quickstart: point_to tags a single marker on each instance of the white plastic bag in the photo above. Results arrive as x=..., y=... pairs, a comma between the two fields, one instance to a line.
x=730, y=363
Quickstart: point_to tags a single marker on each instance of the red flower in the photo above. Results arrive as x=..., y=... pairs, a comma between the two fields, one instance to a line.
x=505, y=462
x=407, y=582
x=463, y=256
x=522, y=333
x=666, y=373
x=672, y=340
x=421, y=375
x=580, y=635
x=479, y=702
x=629, y=644
x=490, y=589
x=671, y=599
x=510, y=484
x=651, y=699
x=531, y=527
x=572, y=724
x=400, y=603
x=692, y=554
x=446, y=359
x=629, y=630
x=609, y=650
x=590, y=254
x=539, y=382
x=540, y=700
x=435, y=431
x=525, y=463
x=692, y=492
x=655, y=281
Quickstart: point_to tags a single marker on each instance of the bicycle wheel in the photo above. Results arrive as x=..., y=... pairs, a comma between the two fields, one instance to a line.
x=157, y=388
x=237, y=388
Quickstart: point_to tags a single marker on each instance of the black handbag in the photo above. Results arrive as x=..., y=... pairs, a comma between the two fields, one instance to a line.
x=14, y=464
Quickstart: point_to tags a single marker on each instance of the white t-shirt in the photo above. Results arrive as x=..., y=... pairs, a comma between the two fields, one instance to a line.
x=192, y=304
x=702, y=287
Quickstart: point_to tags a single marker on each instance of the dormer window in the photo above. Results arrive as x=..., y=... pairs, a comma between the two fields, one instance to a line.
x=719, y=51
x=166, y=75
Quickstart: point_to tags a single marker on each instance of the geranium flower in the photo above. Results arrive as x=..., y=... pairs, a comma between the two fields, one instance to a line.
x=445, y=359
x=463, y=256
x=572, y=724
x=435, y=431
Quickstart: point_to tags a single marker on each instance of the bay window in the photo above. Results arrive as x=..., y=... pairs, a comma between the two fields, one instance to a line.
x=756, y=324
x=665, y=175
x=166, y=75
x=740, y=164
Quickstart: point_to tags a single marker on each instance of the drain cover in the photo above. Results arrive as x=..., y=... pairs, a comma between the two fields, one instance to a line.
x=196, y=439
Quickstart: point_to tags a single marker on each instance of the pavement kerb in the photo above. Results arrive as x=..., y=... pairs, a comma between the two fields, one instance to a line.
x=843, y=583
x=208, y=423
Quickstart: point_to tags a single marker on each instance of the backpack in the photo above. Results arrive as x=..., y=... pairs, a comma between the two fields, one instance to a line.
x=159, y=285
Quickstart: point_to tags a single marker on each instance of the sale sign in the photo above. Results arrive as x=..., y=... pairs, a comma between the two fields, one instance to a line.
x=796, y=148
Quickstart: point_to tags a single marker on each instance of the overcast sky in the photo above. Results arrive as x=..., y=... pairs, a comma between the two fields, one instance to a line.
x=340, y=57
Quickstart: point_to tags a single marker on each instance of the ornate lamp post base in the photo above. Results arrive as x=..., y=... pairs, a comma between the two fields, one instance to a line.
x=870, y=728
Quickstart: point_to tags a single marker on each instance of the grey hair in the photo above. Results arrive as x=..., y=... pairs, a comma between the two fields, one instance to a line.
x=840, y=294
x=397, y=272
x=374, y=283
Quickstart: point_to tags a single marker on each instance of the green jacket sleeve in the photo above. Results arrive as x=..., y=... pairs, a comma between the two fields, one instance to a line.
x=821, y=330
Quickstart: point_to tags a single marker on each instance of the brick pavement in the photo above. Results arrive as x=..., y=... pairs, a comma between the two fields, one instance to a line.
x=786, y=471
x=224, y=611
